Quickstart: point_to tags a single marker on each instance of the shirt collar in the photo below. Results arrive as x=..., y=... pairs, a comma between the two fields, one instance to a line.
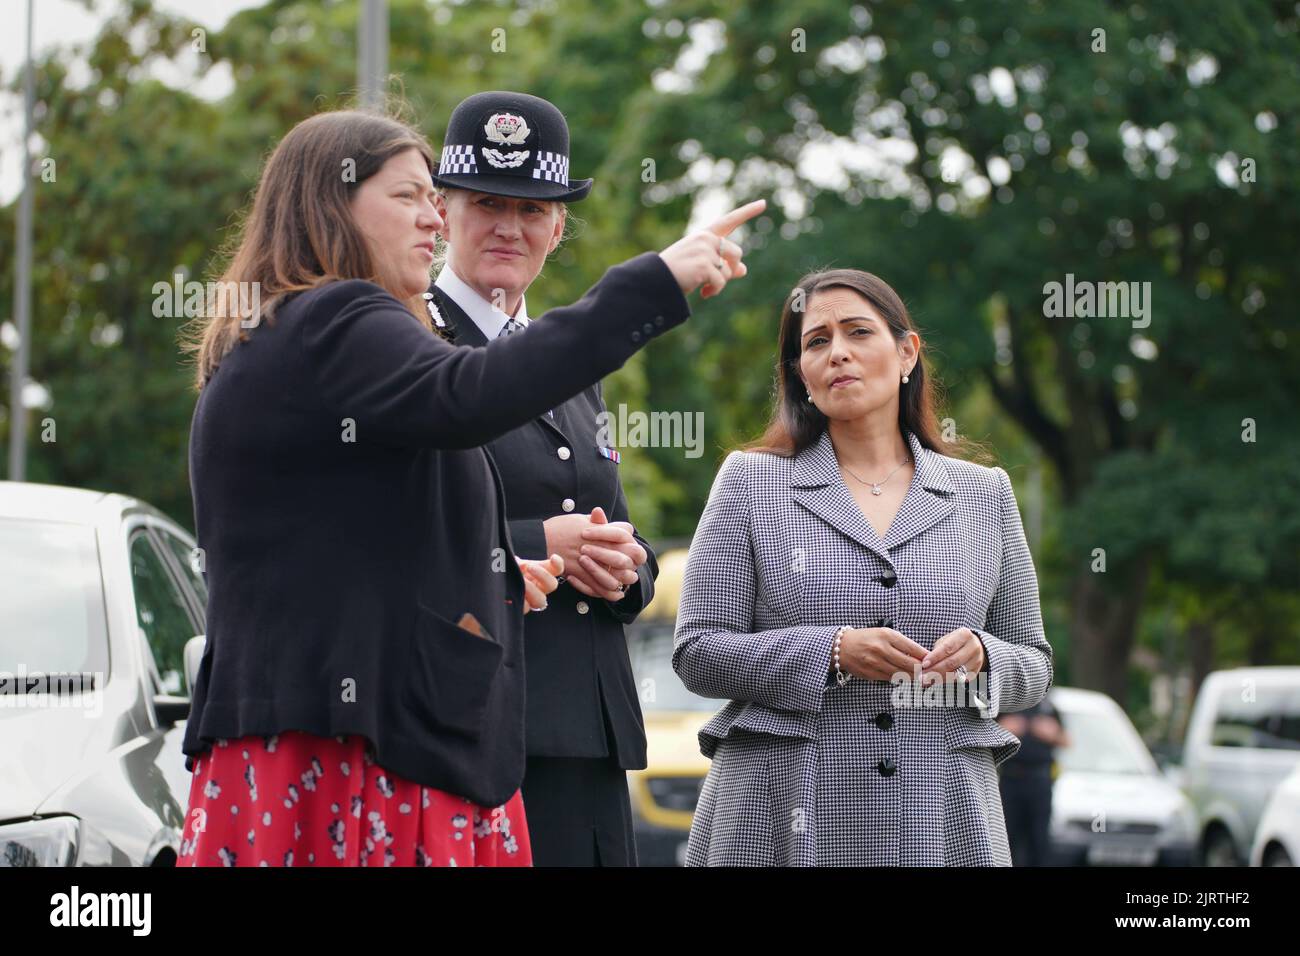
x=489, y=319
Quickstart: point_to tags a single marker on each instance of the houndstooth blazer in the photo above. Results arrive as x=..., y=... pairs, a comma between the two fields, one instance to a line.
x=781, y=559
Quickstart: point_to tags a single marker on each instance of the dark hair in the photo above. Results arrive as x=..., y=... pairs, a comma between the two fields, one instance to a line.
x=796, y=424
x=300, y=232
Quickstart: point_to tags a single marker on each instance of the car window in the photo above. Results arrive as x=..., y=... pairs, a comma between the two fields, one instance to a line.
x=1101, y=741
x=52, y=599
x=1288, y=724
x=160, y=609
x=187, y=558
x=1255, y=716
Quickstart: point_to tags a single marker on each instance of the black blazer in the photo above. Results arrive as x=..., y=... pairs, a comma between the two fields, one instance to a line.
x=577, y=651
x=348, y=518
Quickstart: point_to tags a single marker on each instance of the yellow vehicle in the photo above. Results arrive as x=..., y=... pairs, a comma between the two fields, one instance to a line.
x=664, y=794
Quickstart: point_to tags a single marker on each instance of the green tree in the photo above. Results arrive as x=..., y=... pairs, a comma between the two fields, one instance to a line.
x=138, y=187
x=1027, y=153
x=969, y=154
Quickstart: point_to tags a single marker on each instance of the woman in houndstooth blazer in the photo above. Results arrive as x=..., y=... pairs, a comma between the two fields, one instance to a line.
x=867, y=602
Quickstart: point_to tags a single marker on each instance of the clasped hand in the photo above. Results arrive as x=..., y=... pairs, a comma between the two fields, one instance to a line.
x=878, y=653
x=600, y=555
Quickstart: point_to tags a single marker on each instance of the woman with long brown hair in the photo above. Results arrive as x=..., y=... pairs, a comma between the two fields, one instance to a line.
x=360, y=698
x=867, y=601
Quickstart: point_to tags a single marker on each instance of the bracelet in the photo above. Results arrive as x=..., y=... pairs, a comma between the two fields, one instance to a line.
x=840, y=676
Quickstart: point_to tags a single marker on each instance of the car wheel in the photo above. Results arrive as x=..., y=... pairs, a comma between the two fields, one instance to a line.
x=1277, y=856
x=1219, y=850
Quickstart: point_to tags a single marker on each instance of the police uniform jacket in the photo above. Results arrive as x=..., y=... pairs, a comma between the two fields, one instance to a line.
x=579, y=678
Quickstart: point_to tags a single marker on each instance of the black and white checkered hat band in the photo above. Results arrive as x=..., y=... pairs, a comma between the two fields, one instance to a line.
x=457, y=159
x=552, y=166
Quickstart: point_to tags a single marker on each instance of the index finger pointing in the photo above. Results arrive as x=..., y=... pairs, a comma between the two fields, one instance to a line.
x=737, y=216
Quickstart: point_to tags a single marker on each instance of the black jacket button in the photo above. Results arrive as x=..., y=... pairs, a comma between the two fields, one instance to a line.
x=884, y=721
x=648, y=329
x=887, y=767
x=659, y=320
x=888, y=579
x=636, y=336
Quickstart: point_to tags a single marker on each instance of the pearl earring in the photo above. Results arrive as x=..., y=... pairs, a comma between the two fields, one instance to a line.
x=904, y=378
x=810, y=396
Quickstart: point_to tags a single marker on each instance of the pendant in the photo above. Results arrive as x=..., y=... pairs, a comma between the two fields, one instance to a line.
x=875, y=490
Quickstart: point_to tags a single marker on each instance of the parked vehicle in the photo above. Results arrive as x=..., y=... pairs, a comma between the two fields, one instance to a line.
x=98, y=597
x=1277, y=839
x=1243, y=740
x=1111, y=805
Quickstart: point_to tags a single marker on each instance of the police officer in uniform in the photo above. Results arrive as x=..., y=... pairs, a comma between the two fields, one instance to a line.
x=1026, y=782
x=504, y=184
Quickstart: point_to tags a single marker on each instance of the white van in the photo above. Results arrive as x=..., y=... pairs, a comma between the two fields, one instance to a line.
x=1243, y=740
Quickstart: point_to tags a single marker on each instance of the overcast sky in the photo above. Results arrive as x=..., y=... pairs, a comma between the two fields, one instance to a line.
x=64, y=23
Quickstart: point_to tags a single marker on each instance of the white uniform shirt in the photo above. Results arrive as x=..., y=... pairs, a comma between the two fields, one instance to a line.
x=489, y=319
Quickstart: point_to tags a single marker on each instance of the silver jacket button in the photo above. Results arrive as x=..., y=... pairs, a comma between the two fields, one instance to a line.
x=567, y=504
x=563, y=453
x=583, y=607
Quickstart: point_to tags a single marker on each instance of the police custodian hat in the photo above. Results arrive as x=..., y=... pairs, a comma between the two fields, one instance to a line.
x=510, y=144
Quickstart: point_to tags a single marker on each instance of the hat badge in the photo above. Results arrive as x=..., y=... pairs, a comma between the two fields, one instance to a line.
x=506, y=129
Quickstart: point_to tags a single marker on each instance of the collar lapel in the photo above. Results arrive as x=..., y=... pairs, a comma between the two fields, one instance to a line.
x=817, y=485
x=559, y=424
x=929, y=499
x=463, y=327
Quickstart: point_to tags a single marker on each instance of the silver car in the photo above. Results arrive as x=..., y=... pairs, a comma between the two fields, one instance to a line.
x=1242, y=741
x=99, y=595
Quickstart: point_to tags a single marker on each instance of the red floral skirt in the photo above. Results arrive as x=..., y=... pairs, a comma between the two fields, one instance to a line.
x=296, y=799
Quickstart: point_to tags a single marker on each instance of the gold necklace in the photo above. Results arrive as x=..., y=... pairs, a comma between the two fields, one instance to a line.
x=876, y=485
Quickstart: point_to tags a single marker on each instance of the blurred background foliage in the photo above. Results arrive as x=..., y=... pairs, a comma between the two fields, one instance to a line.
x=967, y=153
